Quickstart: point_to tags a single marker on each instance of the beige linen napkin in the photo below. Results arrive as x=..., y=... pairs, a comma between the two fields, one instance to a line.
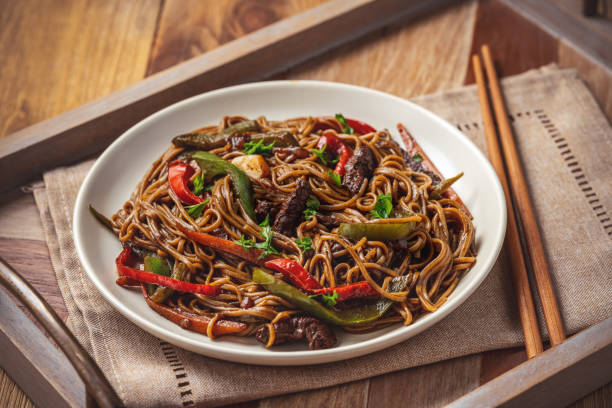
x=566, y=146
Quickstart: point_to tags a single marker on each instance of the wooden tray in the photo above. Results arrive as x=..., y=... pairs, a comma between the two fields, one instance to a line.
x=323, y=36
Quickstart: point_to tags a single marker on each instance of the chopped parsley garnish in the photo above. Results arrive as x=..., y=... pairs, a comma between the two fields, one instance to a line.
x=336, y=177
x=245, y=243
x=266, y=246
x=320, y=153
x=258, y=147
x=195, y=211
x=265, y=222
x=198, y=184
x=312, y=206
x=308, y=213
x=305, y=243
x=342, y=120
x=383, y=206
x=329, y=300
x=417, y=158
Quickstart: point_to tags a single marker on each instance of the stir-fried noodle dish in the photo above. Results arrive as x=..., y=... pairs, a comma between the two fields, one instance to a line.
x=291, y=230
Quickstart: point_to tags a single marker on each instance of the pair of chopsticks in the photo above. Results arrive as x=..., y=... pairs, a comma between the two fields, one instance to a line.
x=524, y=216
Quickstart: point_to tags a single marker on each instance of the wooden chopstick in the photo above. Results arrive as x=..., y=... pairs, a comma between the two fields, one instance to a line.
x=527, y=313
x=526, y=215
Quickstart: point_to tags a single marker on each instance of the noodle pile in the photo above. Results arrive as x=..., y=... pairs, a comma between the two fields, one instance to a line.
x=434, y=257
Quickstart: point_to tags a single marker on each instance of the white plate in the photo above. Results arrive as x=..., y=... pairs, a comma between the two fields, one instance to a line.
x=116, y=173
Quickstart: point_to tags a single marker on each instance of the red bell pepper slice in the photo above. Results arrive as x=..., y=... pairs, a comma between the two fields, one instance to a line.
x=303, y=280
x=414, y=148
x=179, y=173
x=295, y=273
x=335, y=145
x=350, y=291
x=224, y=245
x=358, y=126
x=193, y=322
x=161, y=280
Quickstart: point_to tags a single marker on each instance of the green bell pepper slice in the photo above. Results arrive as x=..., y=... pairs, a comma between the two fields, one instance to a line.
x=212, y=165
x=349, y=317
x=200, y=140
x=377, y=232
x=436, y=193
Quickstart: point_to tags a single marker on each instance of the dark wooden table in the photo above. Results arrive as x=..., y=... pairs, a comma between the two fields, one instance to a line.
x=59, y=55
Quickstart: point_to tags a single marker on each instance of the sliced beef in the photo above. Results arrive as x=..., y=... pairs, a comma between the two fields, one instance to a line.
x=238, y=140
x=297, y=152
x=360, y=166
x=291, y=210
x=264, y=208
x=317, y=333
x=419, y=168
x=330, y=221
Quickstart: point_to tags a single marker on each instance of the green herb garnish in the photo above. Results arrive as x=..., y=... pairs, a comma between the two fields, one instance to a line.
x=245, y=243
x=195, y=211
x=320, y=153
x=417, y=158
x=329, y=300
x=258, y=147
x=383, y=206
x=308, y=213
x=336, y=177
x=266, y=246
x=312, y=206
x=198, y=184
x=305, y=243
x=342, y=120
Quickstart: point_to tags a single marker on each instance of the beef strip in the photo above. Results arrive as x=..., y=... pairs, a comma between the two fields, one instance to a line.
x=296, y=152
x=330, y=221
x=238, y=140
x=317, y=333
x=291, y=210
x=360, y=166
x=265, y=208
x=419, y=168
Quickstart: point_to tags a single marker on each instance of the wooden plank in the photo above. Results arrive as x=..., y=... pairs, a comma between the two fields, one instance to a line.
x=592, y=43
x=350, y=395
x=31, y=259
x=404, y=58
x=433, y=385
x=497, y=362
x=34, y=363
x=189, y=28
x=601, y=398
x=517, y=43
x=62, y=140
x=598, y=78
x=19, y=217
x=59, y=55
x=563, y=374
x=525, y=46
x=11, y=395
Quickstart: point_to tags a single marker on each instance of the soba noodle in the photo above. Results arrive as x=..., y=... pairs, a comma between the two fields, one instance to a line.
x=434, y=257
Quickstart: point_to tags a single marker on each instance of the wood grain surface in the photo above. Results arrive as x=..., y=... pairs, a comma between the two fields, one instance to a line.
x=62, y=54
x=188, y=28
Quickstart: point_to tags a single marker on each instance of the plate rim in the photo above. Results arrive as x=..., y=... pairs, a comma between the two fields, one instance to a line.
x=302, y=357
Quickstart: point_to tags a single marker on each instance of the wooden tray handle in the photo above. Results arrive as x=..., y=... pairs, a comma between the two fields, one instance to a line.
x=96, y=383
